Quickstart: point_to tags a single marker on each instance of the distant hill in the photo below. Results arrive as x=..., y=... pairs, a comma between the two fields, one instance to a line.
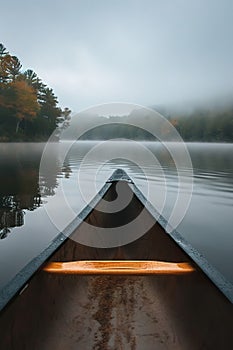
x=205, y=124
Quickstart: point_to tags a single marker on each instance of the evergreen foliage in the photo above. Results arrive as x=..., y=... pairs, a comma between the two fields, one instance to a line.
x=29, y=109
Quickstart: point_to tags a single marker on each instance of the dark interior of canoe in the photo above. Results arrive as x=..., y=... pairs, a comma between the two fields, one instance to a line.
x=119, y=311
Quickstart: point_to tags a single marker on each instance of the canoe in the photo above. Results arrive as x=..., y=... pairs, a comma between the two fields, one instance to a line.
x=156, y=292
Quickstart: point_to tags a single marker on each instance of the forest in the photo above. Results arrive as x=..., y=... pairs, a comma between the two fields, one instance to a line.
x=29, y=109
x=212, y=124
x=205, y=125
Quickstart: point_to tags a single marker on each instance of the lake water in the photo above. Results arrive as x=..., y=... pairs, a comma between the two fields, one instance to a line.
x=33, y=206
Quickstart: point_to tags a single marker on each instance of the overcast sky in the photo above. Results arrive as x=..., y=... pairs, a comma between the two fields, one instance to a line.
x=139, y=51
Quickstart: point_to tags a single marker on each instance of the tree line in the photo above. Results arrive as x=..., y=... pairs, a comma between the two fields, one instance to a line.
x=213, y=125
x=200, y=125
x=29, y=109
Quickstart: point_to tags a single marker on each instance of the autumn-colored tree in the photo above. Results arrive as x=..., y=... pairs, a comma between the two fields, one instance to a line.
x=26, y=103
x=5, y=62
x=3, y=53
x=21, y=100
x=10, y=67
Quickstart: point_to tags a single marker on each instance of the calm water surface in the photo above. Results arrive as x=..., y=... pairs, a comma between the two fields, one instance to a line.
x=26, y=228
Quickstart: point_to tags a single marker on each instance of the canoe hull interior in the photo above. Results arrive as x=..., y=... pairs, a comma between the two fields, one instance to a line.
x=59, y=311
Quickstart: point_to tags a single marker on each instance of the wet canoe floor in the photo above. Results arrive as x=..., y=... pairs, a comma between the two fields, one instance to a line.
x=113, y=312
x=117, y=312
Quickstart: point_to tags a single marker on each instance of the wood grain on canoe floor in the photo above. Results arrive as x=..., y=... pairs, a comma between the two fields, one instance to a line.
x=127, y=317
x=117, y=312
x=112, y=313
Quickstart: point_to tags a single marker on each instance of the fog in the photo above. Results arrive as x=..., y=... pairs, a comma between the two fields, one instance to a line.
x=143, y=52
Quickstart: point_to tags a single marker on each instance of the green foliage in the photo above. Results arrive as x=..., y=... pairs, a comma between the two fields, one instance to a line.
x=207, y=126
x=28, y=108
x=3, y=51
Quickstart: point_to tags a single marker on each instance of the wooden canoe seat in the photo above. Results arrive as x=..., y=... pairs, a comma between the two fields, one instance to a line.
x=118, y=267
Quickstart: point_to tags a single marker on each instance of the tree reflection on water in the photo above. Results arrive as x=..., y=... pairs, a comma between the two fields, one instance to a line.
x=12, y=210
x=19, y=183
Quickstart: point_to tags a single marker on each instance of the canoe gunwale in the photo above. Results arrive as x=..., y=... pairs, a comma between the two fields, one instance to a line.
x=18, y=283
x=210, y=271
